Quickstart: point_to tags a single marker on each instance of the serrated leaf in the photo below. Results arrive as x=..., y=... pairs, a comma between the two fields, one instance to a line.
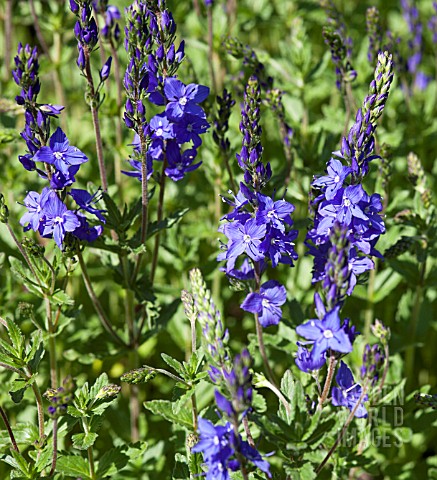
x=74, y=412
x=82, y=441
x=294, y=392
x=19, y=386
x=100, y=382
x=36, y=351
x=164, y=408
x=173, y=363
x=16, y=336
x=112, y=462
x=21, y=463
x=73, y=466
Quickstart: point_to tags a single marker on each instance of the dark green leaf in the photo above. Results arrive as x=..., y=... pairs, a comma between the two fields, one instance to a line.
x=73, y=466
x=82, y=441
x=164, y=408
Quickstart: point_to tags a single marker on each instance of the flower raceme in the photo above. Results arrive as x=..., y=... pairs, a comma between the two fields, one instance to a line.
x=348, y=393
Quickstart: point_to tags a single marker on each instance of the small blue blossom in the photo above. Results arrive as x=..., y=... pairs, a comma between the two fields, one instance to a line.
x=337, y=173
x=307, y=362
x=267, y=303
x=60, y=153
x=348, y=392
x=184, y=98
x=58, y=220
x=326, y=334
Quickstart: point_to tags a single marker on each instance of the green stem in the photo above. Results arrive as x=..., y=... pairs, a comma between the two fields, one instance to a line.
x=144, y=198
x=9, y=429
x=160, y=215
x=369, y=312
x=89, y=450
x=410, y=351
x=52, y=343
x=23, y=253
x=97, y=305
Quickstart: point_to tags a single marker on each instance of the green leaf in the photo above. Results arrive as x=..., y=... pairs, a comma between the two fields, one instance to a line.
x=73, y=466
x=74, y=412
x=16, y=336
x=173, y=363
x=36, y=351
x=112, y=462
x=170, y=221
x=19, y=386
x=59, y=297
x=82, y=441
x=21, y=463
x=100, y=382
x=294, y=392
x=164, y=408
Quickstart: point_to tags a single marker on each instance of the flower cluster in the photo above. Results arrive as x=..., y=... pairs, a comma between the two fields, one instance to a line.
x=343, y=202
x=340, y=44
x=111, y=30
x=60, y=397
x=273, y=96
x=374, y=33
x=223, y=449
x=87, y=35
x=154, y=61
x=414, y=47
x=47, y=212
x=258, y=227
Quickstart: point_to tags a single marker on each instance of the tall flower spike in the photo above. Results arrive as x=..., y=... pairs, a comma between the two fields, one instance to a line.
x=339, y=42
x=374, y=32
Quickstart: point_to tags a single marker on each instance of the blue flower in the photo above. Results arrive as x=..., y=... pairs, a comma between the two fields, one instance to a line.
x=244, y=238
x=337, y=173
x=58, y=220
x=308, y=362
x=273, y=213
x=267, y=303
x=60, y=153
x=86, y=201
x=348, y=392
x=184, y=98
x=326, y=334
x=35, y=205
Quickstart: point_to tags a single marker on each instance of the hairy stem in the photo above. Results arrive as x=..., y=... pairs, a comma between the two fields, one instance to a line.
x=40, y=409
x=9, y=429
x=248, y=433
x=328, y=381
x=279, y=394
x=370, y=307
x=95, y=117
x=97, y=305
x=55, y=447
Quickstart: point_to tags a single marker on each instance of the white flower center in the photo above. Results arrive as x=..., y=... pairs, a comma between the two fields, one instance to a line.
x=159, y=132
x=183, y=101
x=58, y=155
x=346, y=202
x=328, y=334
x=337, y=178
x=265, y=302
x=272, y=214
x=58, y=220
x=216, y=440
x=247, y=238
